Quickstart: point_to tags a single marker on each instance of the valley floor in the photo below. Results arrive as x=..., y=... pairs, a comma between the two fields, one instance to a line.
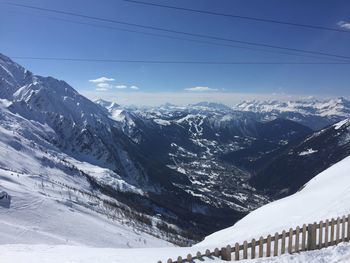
x=77, y=254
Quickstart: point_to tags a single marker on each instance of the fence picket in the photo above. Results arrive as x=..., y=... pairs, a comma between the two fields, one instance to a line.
x=252, y=255
x=303, y=239
x=237, y=251
x=326, y=235
x=225, y=253
x=179, y=259
x=348, y=238
x=245, y=249
x=332, y=231
x=297, y=231
x=261, y=247
x=320, y=235
x=290, y=240
x=283, y=245
x=337, y=235
x=268, y=246
x=216, y=252
x=189, y=257
x=275, y=246
x=343, y=229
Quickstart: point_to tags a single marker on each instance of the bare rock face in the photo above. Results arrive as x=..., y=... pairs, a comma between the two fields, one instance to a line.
x=5, y=200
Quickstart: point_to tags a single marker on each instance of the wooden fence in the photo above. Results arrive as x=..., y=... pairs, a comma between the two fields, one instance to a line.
x=308, y=237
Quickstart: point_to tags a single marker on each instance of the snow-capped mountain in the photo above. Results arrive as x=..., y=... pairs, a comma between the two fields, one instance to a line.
x=51, y=116
x=298, y=163
x=212, y=145
x=50, y=198
x=315, y=114
x=182, y=170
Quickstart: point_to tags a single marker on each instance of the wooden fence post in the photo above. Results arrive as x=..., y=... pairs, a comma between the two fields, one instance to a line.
x=226, y=253
x=283, y=245
x=311, y=236
x=170, y=260
x=189, y=257
x=236, y=251
x=343, y=229
x=275, y=245
x=261, y=247
x=348, y=236
x=216, y=252
x=326, y=233
x=337, y=235
x=332, y=231
x=320, y=234
x=290, y=241
x=207, y=253
x=223, y=253
x=245, y=250
x=252, y=255
x=297, y=234
x=303, y=239
x=179, y=259
x=268, y=246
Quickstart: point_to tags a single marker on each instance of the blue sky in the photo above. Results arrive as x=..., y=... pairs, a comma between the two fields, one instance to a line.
x=25, y=32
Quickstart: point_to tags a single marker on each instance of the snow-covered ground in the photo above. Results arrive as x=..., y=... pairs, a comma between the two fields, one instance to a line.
x=50, y=201
x=76, y=254
x=45, y=212
x=325, y=196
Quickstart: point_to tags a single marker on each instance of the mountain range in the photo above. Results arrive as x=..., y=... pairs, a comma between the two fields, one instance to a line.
x=177, y=172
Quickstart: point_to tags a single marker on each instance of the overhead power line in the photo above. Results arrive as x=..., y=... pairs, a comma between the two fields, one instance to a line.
x=193, y=40
x=182, y=32
x=138, y=61
x=256, y=19
x=190, y=39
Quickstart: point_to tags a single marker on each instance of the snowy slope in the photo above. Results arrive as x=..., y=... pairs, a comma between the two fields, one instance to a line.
x=324, y=197
x=52, y=201
x=42, y=211
x=70, y=254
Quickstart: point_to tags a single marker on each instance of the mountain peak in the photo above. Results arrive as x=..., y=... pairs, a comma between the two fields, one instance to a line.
x=212, y=105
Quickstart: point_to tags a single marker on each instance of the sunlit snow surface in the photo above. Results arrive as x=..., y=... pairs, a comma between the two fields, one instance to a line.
x=51, y=201
x=76, y=254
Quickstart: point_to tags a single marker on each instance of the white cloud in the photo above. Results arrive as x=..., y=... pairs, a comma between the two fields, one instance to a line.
x=103, y=85
x=121, y=86
x=101, y=80
x=344, y=24
x=201, y=89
